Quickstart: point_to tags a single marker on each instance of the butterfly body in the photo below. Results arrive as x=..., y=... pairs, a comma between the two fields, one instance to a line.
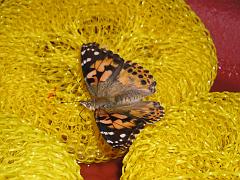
x=111, y=102
x=98, y=103
x=117, y=89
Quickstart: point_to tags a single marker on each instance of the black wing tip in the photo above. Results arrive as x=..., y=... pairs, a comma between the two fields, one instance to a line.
x=89, y=45
x=96, y=46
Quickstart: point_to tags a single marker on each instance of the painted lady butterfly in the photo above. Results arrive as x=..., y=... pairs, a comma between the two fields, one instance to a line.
x=117, y=89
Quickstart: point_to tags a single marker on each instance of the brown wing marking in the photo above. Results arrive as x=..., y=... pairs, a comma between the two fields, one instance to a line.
x=149, y=111
x=133, y=74
x=115, y=120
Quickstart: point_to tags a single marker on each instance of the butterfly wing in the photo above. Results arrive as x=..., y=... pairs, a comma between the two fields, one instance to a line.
x=106, y=74
x=99, y=67
x=120, y=126
x=133, y=82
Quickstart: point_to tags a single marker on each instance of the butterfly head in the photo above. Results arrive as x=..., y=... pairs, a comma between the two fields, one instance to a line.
x=88, y=104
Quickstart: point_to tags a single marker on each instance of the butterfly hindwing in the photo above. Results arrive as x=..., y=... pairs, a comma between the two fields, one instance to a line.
x=149, y=111
x=117, y=129
x=120, y=126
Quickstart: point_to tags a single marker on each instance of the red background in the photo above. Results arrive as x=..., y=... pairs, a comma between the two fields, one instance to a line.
x=222, y=19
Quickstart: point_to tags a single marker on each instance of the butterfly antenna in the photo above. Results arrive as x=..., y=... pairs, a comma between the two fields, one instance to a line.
x=81, y=113
x=66, y=102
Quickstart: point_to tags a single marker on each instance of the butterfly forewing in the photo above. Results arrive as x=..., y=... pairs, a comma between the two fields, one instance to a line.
x=106, y=74
x=134, y=78
x=100, y=67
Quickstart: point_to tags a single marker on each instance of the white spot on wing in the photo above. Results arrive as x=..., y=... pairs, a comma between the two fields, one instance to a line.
x=109, y=141
x=88, y=59
x=83, y=52
x=111, y=133
x=122, y=135
x=96, y=53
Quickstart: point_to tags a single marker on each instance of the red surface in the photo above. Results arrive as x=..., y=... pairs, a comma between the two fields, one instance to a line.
x=102, y=171
x=222, y=19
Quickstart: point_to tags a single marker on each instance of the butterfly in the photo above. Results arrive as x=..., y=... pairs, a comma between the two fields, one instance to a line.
x=117, y=88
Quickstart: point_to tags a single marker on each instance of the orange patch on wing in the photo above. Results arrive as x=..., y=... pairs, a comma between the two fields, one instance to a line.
x=99, y=65
x=96, y=64
x=147, y=109
x=120, y=116
x=106, y=75
x=124, y=77
x=91, y=74
x=137, y=113
x=127, y=78
x=118, y=124
x=102, y=113
x=106, y=121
